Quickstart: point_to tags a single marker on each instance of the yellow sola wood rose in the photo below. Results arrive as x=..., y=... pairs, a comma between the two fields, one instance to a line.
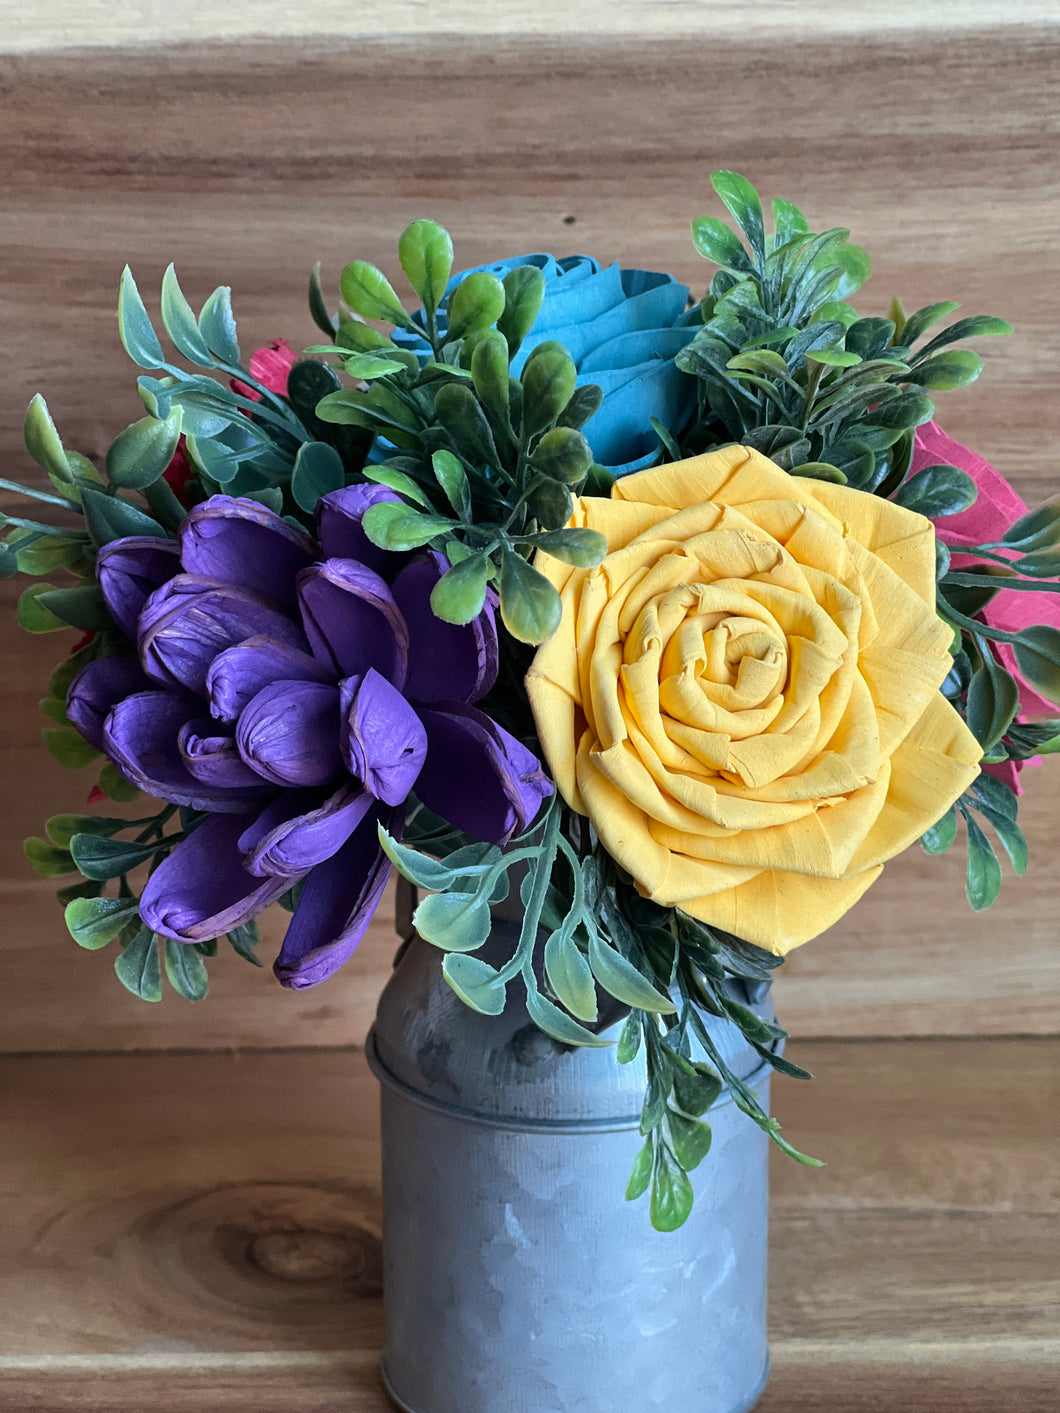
x=743, y=696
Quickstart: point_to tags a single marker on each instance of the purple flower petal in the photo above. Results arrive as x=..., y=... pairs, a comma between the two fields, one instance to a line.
x=239, y=673
x=289, y=733
x=142, y=738
x=339, y=516
x=338, y=900
x=299, y=830
x=446, y=662
x=202, y=889
x=352, y=621
x=477, y=776
x=97, y=688
x=187, y=622
x=383, y=740
x=130, y=570
x=213, y=757
x=242, y=543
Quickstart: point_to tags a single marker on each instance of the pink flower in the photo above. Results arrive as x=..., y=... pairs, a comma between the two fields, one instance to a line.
x=271, y=366
x=178, y=473
x=996, y=508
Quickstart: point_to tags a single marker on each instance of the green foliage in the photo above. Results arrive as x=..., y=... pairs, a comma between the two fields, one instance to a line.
x=786, y=365
x=484, y=463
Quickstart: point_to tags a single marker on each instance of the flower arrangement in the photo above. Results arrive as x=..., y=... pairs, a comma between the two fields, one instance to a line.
x=676, y=618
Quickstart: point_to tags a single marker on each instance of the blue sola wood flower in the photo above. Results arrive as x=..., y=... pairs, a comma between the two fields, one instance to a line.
x=623, y=329
x=295, y=690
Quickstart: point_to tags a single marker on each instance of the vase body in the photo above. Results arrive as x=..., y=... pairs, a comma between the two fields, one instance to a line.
x=517, y=1278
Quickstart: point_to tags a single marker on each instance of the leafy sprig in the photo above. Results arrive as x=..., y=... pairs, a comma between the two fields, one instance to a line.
x=484, y=464
x=786, y=365
x=90, y=846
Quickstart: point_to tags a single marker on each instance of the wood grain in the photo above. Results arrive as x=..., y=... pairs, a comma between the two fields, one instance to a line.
x=246, y=163
x=206, y=1227
x=64, y=23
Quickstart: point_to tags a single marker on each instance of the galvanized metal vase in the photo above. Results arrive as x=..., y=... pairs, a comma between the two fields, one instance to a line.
x=517, y=1279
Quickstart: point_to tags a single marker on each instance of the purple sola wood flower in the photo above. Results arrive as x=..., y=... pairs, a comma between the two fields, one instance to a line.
x=296, y=691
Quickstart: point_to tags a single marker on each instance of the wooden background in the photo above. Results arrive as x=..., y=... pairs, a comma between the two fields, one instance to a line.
x=246, y=164
x=195, y=1232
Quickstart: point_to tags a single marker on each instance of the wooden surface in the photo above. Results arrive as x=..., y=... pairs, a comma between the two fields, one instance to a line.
x=201, y=1232
x=245, y=164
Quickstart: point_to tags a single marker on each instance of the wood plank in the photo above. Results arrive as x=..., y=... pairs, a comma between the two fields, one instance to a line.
x=66, y=23
x=245, y=163
x=205, y=1227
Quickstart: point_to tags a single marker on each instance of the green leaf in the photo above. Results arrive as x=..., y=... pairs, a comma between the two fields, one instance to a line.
x=490, y=376
x=101, y=858
x=941, y=835
x=788, y=222
x=138, y=968
x=946, y=371
x=558, y=1024
x=923, y=319
x=395, y=527
x=476, y=303
x=993, y=700
x=110, y=518
x=244, y=940
x=82, y=607
x=564, y=455
x=397, y=480
x=93, y=922
x=115, y=786
x=640, y=1177
x=186, y=970
x=549, y=504
x=68, y=747
x=1010, y=834
x=937, y=491
x=984, y=872
x=459, y=595
x=690, y=1140
x=1042, y=564
x=180, y=323
x=585, y=403
x=1037, y=652
x=317, y=471
x=820, y=471
x=621, y=979
x=716, y=242
x=476, y=983
x=582, y=548
x=48, y=861
x=697, y=1093
x=61, y=828
x=318, y=309
x=903, y=412
x=369, y=366
x=32, y=616
x=548, y=380
x=671, y=1192
x=426, y=254
x=217, y=325
x=421, y=870
x=974, y=327
x=42, y=440
x=629, y=1041
x=458, y=410
x=742, y=201
x=453, y=481
x=455, y=922
x=1037, y=530
x=763, y=361
x=369, y=293
x=134, y=327
x=524, y=293
x=530, y=606
x=569, y=975
x=834, y=357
